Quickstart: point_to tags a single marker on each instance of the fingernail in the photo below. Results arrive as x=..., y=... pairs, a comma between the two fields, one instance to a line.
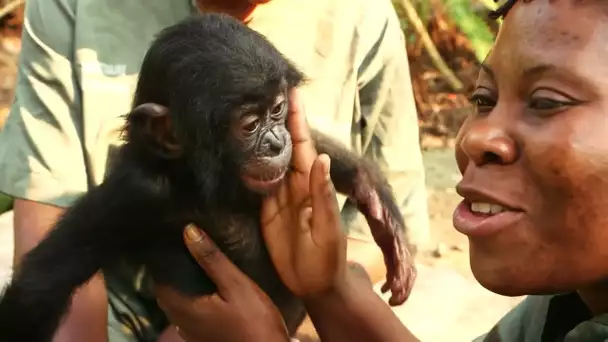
x=193, y=233
x=327, y=166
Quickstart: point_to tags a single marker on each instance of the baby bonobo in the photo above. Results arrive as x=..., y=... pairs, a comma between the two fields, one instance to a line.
x=205, y=141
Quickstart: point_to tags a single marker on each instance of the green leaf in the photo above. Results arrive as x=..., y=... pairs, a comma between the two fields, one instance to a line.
x=463, y=14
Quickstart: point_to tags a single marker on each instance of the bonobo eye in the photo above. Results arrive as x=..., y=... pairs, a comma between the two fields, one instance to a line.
x=277, y=109
x=250, y=124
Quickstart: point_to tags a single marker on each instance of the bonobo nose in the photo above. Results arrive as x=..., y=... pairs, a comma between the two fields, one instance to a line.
x=272, y=143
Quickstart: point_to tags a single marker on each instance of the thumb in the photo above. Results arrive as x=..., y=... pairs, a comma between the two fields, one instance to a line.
x=325, y=222
x=226, y=276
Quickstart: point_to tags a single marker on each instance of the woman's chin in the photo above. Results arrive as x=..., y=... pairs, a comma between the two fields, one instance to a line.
x=518, y=280
x=502, y=288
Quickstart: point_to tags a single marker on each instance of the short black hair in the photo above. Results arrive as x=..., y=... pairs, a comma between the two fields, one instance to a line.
x=502, y=10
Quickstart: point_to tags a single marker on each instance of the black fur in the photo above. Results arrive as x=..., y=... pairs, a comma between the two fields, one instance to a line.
x=200, y=69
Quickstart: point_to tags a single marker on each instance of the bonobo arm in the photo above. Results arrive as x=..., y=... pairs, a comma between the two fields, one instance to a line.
x=90, y=236
x=365, y=185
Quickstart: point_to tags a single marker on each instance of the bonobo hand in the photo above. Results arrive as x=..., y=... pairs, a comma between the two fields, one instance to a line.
x=239, y=311
x=387, y=227
x=301, y=221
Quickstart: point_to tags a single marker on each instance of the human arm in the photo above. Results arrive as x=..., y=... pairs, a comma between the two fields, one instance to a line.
x=342, y=305
x=87, y=319
x=41, y=155
x=353, y=312
x=348, y=311
x=308, y=247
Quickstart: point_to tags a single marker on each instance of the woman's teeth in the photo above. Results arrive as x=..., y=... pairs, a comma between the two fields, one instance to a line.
x=487, y=208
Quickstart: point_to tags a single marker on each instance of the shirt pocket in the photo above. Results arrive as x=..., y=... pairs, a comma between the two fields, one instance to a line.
x=107, y=93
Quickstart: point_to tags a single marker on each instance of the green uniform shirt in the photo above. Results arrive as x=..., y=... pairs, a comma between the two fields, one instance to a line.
x=559, y=318
x=78, y=70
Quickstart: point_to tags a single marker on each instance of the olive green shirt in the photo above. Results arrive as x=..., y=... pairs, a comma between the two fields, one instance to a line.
x=559, y=318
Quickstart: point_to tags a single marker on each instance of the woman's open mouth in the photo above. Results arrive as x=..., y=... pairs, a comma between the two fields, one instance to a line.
x=482, y=219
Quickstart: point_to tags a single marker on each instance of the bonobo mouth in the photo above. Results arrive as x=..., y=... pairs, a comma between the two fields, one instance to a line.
x=264, y=181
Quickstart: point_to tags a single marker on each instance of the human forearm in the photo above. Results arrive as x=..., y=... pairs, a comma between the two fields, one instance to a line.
x=87, y=318
x=353, y=312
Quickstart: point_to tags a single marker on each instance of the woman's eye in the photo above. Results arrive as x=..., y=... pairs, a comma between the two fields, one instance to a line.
x=546, y=101
x=545, y=104
x=483, y=103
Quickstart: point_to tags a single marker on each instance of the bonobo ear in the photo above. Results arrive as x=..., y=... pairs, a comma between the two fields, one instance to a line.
x=154, y=122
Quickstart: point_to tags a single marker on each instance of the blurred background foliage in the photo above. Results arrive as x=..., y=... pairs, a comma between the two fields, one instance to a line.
x=446, y=39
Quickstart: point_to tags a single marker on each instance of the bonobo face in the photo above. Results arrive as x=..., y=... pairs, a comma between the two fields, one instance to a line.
x=261, y=134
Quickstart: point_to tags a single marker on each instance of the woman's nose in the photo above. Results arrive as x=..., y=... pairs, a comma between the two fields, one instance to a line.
x=488, y=144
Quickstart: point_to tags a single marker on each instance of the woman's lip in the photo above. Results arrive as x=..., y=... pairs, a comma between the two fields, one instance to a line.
x=472, y=224
x=472, y=194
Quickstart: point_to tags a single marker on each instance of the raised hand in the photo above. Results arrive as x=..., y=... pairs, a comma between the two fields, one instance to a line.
x=301, y=222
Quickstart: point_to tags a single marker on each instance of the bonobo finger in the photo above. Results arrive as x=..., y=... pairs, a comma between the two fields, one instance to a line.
x=325, y=219
x=304, y=152
x=218, y=267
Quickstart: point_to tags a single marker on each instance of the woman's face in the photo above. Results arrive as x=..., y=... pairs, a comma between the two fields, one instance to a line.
x=537, y=151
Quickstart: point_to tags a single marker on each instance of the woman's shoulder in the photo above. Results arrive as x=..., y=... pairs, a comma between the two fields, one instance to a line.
x=562, y=317
x=525, y=322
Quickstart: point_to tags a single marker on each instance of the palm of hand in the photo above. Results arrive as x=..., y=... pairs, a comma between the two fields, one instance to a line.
x=301, y=221
x=307, y=262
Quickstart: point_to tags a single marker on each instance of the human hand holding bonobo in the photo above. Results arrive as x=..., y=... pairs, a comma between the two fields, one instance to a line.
x=302, y=227
x=239, y=311
x=301, y=221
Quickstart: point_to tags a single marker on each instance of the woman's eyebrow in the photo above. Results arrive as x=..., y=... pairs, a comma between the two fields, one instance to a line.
x=535, y=72
x=538, y=70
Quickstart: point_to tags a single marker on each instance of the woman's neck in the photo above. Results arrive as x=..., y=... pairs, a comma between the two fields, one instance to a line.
x=240, y=9
x=596, y=298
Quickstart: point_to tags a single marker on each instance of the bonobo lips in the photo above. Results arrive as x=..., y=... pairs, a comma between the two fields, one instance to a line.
x=264, y=180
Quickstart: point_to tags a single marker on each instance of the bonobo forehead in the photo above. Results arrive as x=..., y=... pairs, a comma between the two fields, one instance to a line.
x=217, y=59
